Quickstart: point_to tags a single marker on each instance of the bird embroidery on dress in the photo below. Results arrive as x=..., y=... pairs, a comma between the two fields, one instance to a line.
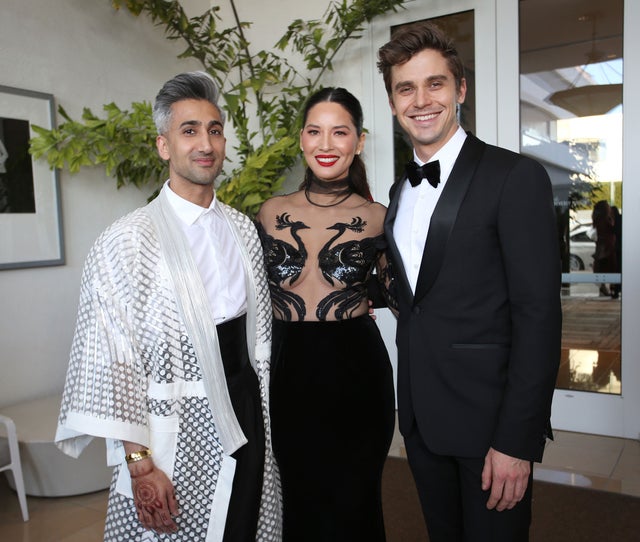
x=349, y=263
x=284, y=263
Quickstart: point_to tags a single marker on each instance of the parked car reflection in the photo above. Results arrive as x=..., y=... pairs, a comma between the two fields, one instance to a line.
x=581, y=248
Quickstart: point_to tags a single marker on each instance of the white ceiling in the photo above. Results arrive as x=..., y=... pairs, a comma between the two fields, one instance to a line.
x=552, y=34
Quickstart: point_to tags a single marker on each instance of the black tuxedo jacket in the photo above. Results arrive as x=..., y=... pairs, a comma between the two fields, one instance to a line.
x=479, y=343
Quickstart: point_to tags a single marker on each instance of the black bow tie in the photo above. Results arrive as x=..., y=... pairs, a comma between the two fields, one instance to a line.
x=430, y=171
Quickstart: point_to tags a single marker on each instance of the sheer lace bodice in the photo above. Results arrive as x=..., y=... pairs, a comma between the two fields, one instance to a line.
x=318, y=263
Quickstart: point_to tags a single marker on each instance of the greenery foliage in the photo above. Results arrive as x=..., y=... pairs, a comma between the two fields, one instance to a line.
x=263, y=94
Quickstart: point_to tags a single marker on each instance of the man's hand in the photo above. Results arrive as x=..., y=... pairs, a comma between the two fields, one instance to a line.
x=507, y=477
x=154, y=496
x=372, y=312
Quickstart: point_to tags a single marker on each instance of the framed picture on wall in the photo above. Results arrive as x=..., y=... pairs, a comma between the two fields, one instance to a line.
x=30, y=209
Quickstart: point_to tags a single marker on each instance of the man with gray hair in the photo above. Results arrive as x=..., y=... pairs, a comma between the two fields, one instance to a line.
x=170, y=356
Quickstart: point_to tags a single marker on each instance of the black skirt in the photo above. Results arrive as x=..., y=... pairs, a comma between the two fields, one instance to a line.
x=332, y=418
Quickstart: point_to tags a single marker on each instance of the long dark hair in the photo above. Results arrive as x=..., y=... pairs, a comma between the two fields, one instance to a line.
x=357, y=170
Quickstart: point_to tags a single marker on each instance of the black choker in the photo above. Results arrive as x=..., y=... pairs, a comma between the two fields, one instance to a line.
x=341, y=189
x=318, y=186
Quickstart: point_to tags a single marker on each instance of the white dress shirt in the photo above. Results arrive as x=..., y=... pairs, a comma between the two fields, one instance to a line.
x=416, y=205
x=216, y=255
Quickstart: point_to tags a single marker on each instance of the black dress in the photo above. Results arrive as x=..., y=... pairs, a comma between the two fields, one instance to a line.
x=332, y=408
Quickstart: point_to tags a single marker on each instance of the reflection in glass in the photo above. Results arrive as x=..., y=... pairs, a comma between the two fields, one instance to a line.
x=571, y=76
x=590, y=370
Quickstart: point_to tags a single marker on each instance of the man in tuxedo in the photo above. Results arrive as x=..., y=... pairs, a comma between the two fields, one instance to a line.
x=473, y=240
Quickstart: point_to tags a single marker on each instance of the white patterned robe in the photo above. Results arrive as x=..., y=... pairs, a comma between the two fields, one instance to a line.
x=133, y=375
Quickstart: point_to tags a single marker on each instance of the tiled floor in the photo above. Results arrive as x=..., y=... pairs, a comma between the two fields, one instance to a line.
x=604, y=463
x=607, y=463
x=577, y=459
x=67, y=519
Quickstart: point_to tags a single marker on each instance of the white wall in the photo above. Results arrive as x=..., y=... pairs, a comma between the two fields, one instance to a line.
x=86, y=54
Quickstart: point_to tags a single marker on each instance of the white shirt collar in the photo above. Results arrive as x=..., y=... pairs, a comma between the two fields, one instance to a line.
x=187, y=211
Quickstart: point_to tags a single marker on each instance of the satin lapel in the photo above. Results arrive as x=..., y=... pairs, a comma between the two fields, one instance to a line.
x=400, y=273
x=446, y=212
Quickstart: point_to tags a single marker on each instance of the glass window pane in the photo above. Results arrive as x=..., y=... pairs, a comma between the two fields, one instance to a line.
x=571, y=76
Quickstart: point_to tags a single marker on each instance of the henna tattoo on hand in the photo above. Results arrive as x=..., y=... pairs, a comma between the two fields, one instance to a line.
x=146, y=497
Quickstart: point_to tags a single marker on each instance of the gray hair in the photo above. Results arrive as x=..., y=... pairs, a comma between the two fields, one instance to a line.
x=197, y=85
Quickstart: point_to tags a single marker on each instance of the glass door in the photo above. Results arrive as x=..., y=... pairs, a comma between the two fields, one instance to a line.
x=571, y=84
x=571, y=121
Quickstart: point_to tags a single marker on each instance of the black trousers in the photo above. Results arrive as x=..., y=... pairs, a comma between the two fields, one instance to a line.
x=453, y=502
x=244, y=391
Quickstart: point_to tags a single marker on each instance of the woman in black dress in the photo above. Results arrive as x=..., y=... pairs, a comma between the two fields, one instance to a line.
x=332, y=398
x=605, y=259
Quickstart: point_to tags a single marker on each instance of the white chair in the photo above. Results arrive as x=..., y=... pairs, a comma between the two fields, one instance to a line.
x=14, y=464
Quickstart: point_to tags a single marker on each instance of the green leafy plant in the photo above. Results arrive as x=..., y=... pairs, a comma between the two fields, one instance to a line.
x=263, y=95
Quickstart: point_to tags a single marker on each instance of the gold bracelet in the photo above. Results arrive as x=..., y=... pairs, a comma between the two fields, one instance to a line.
x=137, y=456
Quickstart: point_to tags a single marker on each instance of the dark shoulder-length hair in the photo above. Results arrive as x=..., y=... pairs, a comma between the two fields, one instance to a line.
x=357, y=170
